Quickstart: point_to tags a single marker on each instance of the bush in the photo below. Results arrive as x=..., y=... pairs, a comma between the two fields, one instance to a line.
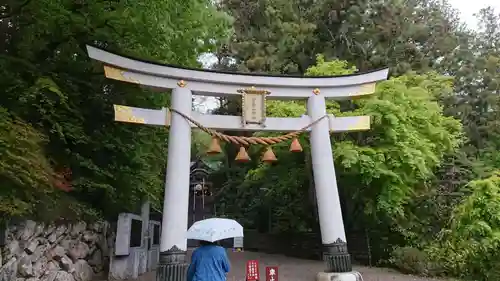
x=410, y=260
x=470, y=248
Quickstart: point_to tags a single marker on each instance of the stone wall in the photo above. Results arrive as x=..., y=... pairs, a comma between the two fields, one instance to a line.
x=48, y=252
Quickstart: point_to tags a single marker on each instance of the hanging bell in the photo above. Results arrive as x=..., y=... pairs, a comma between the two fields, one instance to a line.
x=214, y=147
x=242, y=155
x=269, y=156
x=295, y=146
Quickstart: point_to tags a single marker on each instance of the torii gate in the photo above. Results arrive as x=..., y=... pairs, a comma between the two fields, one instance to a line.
x=254, y=89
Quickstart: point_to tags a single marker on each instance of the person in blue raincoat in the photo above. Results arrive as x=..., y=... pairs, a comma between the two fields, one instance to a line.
x=208, y=263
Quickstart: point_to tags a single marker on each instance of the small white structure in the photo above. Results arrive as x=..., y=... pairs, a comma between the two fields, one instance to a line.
x=253, y=89
x=238, y=244
x=136, y=249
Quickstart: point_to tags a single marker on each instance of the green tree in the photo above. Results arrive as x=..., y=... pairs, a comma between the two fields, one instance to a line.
x=25, y=171
x=51, y=85
x=474, y=64
x=386, y=167
x=284, y=36
x=469, y=246
x=380, y=171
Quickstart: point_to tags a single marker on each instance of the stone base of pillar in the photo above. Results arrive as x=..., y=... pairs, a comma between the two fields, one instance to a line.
x=337, y=257
x=333, y=276
x=172, y=265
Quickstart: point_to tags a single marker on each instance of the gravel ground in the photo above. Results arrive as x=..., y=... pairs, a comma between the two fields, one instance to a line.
x=291, y=269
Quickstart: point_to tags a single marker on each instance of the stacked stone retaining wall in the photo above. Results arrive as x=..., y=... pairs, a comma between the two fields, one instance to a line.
x=32, y=251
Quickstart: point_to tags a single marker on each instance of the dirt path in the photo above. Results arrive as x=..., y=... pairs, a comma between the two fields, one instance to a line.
x=291, y=269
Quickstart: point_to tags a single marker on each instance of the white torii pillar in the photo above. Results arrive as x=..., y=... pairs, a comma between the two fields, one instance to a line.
x=173, y=243
x=185, y=83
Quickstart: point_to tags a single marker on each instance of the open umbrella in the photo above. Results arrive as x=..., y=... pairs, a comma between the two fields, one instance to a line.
x=215, y=229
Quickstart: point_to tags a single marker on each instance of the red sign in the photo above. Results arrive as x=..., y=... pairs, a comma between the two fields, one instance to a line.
x=252, y=270
x=271, y=273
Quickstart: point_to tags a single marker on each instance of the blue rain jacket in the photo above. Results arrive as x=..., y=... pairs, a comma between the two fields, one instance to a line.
x=208, y=263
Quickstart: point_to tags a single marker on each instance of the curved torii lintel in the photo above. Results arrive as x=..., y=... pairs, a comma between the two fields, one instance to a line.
x=215, y=83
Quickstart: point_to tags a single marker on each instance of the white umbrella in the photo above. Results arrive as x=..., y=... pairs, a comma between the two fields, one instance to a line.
x=215, y=229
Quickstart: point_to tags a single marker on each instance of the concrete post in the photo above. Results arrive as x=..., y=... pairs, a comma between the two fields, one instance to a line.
x=145, y=209
x=173, y=246
x=333, y=236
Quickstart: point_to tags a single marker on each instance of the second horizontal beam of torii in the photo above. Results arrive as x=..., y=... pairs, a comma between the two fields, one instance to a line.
x=161, y=117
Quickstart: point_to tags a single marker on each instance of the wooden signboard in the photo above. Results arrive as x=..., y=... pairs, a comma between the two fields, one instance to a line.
x=254, y=106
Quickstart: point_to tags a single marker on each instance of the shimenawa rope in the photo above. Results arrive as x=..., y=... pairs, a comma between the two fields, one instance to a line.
x=245, y=141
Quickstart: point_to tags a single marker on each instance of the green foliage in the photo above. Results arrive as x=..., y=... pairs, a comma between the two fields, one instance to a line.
x=323, y=68
x=27, y=176
x=434, y=207
x=401, y=179
x=272, y=36
x=469, y=247
x=391, y=163
x=58, y=95
x=410, y=260
x=284, y=36
x=475, y=63
x=408, y=172
x=25, y=171
x=381, y=170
